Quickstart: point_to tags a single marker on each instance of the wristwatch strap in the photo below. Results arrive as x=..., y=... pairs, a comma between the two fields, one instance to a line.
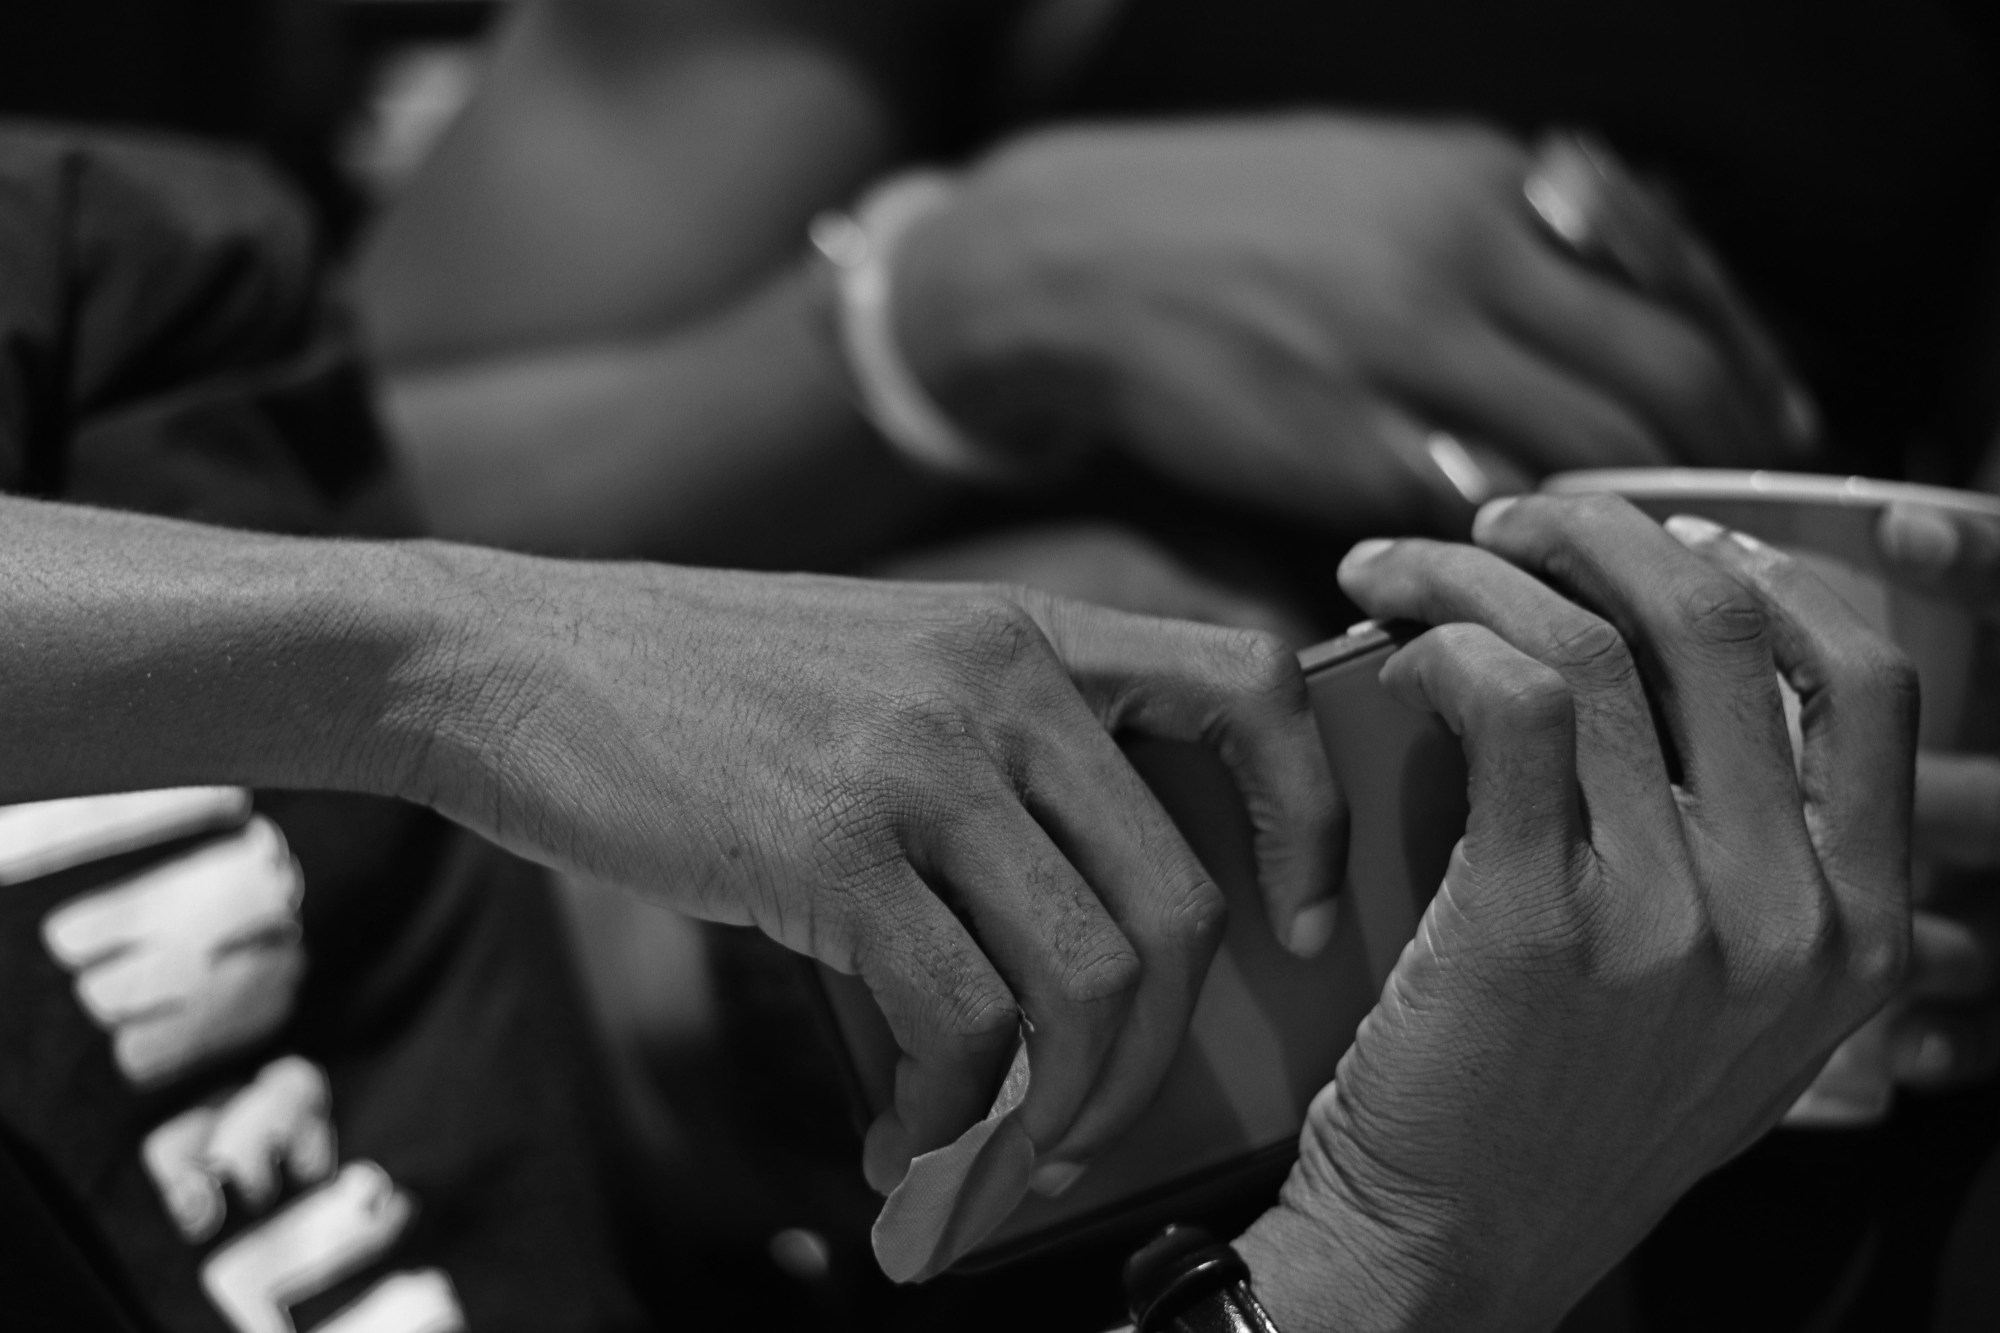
x=1186, y=1281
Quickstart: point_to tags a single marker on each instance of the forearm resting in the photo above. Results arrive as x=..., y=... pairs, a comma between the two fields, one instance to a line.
x=730, y=441
x=143, y=652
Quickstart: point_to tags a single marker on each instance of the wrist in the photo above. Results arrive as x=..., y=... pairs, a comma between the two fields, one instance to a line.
x=464, y=676
x=1319, y=1278
x=1342, y=1251
x=364, y=685
x=984, y=310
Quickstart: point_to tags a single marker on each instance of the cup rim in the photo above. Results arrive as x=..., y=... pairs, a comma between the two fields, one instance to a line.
x=1697, y=483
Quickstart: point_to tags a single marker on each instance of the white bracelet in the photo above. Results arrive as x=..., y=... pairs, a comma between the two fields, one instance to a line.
x=861, y=247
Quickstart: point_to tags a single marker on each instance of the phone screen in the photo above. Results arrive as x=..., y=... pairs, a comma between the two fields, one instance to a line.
x=1268, y=1029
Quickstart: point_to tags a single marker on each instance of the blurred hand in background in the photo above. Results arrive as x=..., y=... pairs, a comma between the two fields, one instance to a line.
x=1286, y=311
x=601, y=335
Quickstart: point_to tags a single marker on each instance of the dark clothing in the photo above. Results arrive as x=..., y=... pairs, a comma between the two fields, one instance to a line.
x=274, y=74
x=163, y=347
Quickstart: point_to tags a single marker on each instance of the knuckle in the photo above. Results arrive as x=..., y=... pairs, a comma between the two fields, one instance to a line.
x=1194, y=914
x=1723, y=612
x=997, y=630
x=1265, y=668
x=1534, y=698
x=1591, y=647
x=1104, y=971
x=973, y=1006
x=922, y=747
x=926, y=725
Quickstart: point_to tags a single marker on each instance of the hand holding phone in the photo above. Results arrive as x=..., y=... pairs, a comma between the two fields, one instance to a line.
x=1268, y=1028
x=1653, y=932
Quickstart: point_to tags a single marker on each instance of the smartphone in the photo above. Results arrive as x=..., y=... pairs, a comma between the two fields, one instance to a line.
x=1268, y=1029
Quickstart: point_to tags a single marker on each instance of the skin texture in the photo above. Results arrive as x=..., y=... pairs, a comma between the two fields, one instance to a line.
x=1650, y=937
x=1623, y=980
x=915, y=783
x=1949, y=1035
x=601, y=335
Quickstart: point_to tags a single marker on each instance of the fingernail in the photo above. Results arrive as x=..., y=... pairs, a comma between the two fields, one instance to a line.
x=1313, y=927
x=1362, y=552
x=1747, y=542
x=1692, y=531
x=1922, y=539
x=1489, y=514
x=1052, y=1178
x=1920, y=1055
x=1799, y=415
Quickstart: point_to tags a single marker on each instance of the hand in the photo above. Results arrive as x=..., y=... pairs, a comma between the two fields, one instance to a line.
x=1283, y=311
x=1949, y=1032
x=916, y=784
x=1650, y=937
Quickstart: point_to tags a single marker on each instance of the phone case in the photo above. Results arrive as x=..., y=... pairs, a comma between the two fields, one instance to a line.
x=1268, y=1029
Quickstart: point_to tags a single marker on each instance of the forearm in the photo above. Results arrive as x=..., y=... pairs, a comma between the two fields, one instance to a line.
x=147, y=653
x=731, y=441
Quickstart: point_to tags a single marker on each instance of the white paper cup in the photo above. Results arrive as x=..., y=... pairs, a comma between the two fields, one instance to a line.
x=1830, y=524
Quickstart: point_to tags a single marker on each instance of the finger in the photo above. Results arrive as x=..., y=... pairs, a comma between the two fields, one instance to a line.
x=1857, y=715
x=1672, y=263
x=1958, y=808
x=1675, y=375
x=1243, y=695
x=1940, y=551
x=1101, y=814
x=1948, y=959
x=1623, y=777
x=1940, y=1046
x=1699, y=638
x=1066, y=962
x=1614, y=221
x=1543, y=413
x=1516, y=719
x=954, y=1020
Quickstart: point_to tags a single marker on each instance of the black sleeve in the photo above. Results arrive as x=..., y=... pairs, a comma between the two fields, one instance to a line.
x=52, y=1273
x=164, y=344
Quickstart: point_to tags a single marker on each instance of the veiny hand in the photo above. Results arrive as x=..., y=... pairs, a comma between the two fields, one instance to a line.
x=1949, y=1033
x=913, y=783
x=1281, y=311
x=1650, y=937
